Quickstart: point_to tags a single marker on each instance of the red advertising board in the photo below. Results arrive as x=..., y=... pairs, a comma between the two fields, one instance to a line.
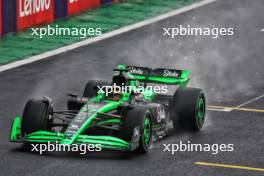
x=0, y=17
x=75, y=6
x=34, y=12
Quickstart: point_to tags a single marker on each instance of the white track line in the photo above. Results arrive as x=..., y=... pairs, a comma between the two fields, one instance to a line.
x=104, y=36
x=248, y=102
x=262, y=30
x=230, y=109
x=219, y=109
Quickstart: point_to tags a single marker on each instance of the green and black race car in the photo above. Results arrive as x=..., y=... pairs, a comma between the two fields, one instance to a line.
x=127, y=120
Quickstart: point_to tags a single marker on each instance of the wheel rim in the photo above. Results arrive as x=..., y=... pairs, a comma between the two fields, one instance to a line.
x=147, y=131
x=200, y=112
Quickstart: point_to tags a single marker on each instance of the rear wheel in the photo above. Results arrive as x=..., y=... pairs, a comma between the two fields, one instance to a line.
x=188, y=109
x=36, y=116
x=137, y=118
x=91, y=87
x=90, y=91
x=75, y=104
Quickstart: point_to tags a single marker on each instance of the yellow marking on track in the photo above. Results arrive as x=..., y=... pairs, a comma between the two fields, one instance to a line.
x=229, y=166
x=227, y=108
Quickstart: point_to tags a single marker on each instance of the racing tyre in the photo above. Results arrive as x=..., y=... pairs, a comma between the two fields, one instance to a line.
x=36, y=116
x=188, y=109
x=91, y=87
x=139, y=118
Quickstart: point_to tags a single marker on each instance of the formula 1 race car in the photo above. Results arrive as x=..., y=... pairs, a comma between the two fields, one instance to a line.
x=122, y=120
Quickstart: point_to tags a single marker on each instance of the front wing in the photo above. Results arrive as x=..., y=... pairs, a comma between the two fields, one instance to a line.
x=106, y=142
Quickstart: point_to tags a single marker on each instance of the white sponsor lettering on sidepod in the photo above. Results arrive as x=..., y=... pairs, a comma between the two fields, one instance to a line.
x=161, y=113
x=28, y=7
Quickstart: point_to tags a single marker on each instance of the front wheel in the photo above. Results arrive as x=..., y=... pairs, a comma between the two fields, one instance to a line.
x=91, y=87
x=36, y=116
x=137, y=118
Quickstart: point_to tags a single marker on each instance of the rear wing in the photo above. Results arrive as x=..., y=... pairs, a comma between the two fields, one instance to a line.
x=160, y=75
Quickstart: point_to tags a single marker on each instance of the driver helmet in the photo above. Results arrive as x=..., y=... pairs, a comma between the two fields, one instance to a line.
x=114, y=96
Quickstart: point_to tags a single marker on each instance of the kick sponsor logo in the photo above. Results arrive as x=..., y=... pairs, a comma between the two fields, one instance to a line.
x=29, y=7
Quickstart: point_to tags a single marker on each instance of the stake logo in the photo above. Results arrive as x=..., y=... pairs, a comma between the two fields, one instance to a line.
x=168, y=73
x=29, y=7
x=134, y=70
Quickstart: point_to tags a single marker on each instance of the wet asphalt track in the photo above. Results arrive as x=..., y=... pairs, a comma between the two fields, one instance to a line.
x=229, y=69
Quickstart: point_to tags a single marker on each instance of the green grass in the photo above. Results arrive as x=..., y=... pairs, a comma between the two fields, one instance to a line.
x=22, y=44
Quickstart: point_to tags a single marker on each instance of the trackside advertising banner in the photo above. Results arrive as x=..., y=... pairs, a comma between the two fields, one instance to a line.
x=106, y=1
x=0, y=17
x=16, y=15
x=76, y=6
x=60, y=9
x=34, y=12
